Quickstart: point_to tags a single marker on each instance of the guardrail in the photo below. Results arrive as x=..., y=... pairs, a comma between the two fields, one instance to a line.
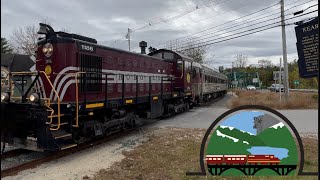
x=304, y=90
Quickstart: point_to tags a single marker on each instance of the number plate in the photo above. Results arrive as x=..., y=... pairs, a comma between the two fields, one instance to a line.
x=86, y=47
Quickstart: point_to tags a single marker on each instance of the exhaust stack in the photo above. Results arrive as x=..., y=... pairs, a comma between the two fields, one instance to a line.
x=143, y=46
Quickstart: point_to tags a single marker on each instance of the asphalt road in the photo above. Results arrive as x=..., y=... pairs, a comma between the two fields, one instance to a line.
x=305, y=121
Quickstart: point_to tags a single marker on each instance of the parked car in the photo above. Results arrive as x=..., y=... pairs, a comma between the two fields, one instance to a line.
x=276, y=88
x=251, y=87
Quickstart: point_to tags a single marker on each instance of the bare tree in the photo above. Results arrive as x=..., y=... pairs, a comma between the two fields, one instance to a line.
x=197, y=53
x=241, y=61
x=264, y=63
x=25, y=39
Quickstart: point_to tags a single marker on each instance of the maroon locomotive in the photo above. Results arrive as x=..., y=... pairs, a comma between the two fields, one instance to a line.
x=82, y=90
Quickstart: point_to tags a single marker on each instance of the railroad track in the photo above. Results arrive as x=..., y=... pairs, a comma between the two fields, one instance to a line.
x=56, y=155
x=13, y=153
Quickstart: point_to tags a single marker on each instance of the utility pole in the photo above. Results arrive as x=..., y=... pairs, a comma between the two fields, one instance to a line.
x=280, y=80
x=128, y=37
x=232, y=79
x=284, y=49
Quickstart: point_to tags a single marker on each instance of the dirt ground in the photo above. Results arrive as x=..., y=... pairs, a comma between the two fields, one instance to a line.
x=170, y=152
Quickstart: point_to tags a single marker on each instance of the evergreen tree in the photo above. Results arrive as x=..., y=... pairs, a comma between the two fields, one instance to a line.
x=5, y=47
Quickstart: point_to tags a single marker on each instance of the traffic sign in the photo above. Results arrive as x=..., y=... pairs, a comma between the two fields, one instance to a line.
x=276, y=75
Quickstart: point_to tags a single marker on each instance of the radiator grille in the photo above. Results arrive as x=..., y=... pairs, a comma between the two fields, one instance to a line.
x=91, y=81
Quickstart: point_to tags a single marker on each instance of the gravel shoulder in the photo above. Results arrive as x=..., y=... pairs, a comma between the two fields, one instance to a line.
x=84, y=163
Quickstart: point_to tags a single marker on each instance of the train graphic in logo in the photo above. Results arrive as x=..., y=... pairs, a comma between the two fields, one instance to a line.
x=242, y=159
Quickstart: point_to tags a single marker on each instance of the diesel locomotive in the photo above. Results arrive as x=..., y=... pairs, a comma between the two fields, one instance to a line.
x=81, y=90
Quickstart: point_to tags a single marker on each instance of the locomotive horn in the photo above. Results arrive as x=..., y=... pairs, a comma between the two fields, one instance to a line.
x=46, y=29
x=143, y=46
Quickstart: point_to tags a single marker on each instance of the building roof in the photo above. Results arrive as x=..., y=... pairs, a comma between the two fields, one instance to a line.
x=17, y=62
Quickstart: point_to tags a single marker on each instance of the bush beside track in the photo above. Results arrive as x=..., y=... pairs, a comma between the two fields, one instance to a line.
x=297, y=100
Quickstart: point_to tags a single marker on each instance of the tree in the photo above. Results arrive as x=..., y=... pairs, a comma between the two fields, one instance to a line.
x=197, y=53
x=152, y=49
x=265, y=63
x=5, y=47
x=221, y=69
x=25, y=39
x=241, y=61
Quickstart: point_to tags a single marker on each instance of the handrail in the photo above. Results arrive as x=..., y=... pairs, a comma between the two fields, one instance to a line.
x=77, y=98
x=48, y=100
x=24, y=73
x=77, y=92
x=54, y=90
x=182, y=73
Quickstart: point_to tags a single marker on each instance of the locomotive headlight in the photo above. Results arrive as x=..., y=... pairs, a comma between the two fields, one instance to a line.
x=47, y=49
x=4, y=97
x=34, y=97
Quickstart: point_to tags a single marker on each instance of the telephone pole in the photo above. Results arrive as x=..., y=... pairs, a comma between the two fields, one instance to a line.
x=128, y=37
x=280, y=80
x=284, y=50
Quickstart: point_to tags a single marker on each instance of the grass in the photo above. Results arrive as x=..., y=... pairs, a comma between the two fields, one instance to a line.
x=171, y=152
x=297, y=100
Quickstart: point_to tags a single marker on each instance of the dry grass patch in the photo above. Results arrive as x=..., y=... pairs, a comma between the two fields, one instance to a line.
x=170, y=153
x=297, y=100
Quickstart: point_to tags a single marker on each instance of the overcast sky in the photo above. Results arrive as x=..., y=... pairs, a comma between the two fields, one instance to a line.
x=108, y=21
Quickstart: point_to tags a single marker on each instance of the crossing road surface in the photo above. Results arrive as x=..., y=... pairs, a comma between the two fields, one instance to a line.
x=305, y=121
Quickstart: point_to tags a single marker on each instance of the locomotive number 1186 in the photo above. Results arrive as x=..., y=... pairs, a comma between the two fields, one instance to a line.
x=87, y=48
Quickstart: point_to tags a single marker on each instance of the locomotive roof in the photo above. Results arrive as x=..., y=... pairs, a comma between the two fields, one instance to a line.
x=69, y=37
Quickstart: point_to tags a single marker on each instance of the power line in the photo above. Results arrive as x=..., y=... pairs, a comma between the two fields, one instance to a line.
x=213, y=35
x=179, y=15
x=229, y=21
x=234, y=20
x=241, y=23
x=215, y=42
x=232, y=27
